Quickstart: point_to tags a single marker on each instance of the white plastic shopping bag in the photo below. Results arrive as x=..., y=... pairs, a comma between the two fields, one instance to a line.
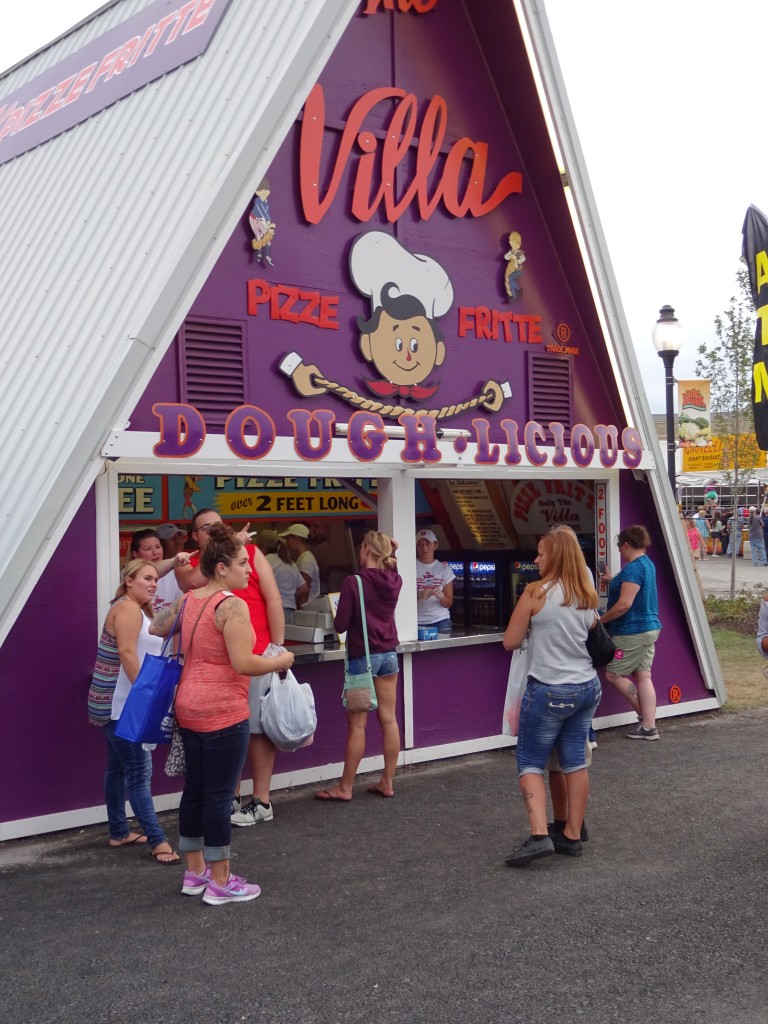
x=288, y=714
x=518, y=679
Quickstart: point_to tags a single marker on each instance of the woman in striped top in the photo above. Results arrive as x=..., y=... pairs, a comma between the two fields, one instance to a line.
x=125, y=639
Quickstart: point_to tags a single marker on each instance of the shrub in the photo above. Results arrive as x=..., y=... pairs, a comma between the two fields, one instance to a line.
x=738, y=615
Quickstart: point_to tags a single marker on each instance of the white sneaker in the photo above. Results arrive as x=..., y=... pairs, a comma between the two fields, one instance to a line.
x=252, y=813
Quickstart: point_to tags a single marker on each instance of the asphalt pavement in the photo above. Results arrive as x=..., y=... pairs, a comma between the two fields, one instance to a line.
x=715, y=575
x=402, y=910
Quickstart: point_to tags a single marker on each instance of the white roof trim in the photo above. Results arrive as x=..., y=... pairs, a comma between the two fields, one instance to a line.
x=606, y=294
x=112, y=230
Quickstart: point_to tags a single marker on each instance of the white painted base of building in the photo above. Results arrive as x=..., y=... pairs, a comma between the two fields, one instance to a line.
x=84, y=816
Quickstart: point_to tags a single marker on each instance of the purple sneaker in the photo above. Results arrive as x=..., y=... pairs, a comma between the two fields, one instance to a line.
x=195, y=884
x=237, y=890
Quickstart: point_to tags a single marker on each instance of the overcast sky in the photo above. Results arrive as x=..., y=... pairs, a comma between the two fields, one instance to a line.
x=668, y=98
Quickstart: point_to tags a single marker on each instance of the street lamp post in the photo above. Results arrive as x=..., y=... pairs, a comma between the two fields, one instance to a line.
x=667, y=335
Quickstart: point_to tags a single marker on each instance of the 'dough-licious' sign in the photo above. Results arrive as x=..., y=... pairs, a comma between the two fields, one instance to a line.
x=250, y=433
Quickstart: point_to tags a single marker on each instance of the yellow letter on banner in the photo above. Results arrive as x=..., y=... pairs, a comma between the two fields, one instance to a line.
x=762, y=316
x=760, y=377
x=761, y=266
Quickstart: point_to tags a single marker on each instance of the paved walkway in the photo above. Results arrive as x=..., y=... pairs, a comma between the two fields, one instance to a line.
x=402, y=911
x=715, y=576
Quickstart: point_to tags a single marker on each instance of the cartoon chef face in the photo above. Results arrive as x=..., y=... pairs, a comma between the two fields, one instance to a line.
x=400, y=340
x=408, y=293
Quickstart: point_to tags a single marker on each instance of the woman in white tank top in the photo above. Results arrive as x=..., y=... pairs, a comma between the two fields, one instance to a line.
x=562, y=692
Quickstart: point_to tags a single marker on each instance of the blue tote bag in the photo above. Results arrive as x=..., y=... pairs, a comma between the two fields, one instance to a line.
x=148, y=713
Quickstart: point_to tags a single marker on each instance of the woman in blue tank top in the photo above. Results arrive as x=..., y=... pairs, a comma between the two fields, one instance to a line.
x=633, y=615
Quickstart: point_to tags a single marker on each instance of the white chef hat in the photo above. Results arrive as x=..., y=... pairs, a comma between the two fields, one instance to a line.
x=377, y=259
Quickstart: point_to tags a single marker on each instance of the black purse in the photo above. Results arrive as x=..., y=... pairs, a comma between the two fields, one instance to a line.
x=600, y=647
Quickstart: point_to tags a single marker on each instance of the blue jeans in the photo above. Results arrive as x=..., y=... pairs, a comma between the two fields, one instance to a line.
x=129, y=771
x=214, y=764
x=555, y=716
x=757, y=547
x=381, y=664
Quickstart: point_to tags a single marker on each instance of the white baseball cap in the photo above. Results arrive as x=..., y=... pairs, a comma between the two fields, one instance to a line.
x=426, y=535
x=296, y=530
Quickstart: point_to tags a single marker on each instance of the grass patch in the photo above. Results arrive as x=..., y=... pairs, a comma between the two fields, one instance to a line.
x=741, y=666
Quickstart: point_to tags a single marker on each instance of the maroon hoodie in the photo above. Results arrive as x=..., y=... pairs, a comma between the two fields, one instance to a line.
x=381, y=588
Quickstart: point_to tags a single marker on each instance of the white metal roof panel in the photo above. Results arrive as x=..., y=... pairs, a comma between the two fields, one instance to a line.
x=108, y=233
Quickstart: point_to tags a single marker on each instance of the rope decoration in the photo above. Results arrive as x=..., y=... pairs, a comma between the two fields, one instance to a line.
x=310, y=382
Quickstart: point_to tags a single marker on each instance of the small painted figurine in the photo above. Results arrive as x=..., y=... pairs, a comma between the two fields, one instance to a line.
x=262, y=226
x=515, y=258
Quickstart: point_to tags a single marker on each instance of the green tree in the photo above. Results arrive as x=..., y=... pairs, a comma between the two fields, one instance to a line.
x=727, y=364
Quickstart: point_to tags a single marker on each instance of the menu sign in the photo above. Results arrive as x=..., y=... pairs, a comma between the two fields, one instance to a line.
x=480, y=516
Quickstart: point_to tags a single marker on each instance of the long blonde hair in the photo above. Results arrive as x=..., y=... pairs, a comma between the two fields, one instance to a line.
x=566, y=566
x=380, y=546
x=130, y=571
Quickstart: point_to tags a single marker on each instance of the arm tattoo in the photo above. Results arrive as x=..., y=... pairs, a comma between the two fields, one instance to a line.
x=166, y=613
x=233, y=611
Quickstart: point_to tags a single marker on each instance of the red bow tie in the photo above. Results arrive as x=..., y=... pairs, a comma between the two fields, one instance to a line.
x=385, y=389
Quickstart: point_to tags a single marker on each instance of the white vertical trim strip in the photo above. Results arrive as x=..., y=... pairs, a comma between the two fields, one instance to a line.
x=408, y=700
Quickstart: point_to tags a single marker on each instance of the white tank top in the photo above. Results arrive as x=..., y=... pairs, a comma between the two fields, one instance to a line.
x=557, y=641
x=146, y=644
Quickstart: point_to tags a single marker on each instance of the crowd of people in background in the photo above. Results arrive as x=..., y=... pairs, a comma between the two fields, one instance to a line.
x=715, y=532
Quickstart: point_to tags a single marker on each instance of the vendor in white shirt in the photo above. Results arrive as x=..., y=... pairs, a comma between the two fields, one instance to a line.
x=434, y=584
x=296, y=538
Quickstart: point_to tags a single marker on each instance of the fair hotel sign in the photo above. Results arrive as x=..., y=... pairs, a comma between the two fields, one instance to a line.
x=162, y=37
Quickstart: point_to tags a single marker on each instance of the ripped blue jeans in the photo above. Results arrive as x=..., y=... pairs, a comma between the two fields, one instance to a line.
x=555, y=716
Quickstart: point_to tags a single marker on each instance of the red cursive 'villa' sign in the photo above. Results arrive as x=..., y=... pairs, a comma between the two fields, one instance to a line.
x=460, y=192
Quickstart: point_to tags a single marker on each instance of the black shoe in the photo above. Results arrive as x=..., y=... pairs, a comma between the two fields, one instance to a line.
x=555, y=830
x=531, y=849
x=566, y=846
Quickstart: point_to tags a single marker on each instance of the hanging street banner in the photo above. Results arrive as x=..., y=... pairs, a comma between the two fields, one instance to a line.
x=694, y=423
x=755, y=253
x=718, y=454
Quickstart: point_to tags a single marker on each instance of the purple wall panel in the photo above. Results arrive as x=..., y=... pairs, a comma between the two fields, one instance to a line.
x=50, y=757
x=326, y=680
x=458, y=693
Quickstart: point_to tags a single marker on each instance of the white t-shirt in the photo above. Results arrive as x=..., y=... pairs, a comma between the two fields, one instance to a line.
x=167, y=591
x=307, y=563
x=146, y=644
x=436, y=574
x=287, y=577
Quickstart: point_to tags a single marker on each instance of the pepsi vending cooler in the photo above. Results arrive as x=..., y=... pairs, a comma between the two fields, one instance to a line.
x=478, y=591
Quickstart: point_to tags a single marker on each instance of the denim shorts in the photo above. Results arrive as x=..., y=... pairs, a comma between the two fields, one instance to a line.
x=381, y=664
x=555, y=716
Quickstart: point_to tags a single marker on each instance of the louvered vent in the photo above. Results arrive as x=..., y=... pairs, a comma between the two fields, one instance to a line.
x=212, y=370
x=550, y=395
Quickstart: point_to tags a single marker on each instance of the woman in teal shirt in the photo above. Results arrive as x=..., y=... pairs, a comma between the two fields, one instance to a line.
x=633, y=614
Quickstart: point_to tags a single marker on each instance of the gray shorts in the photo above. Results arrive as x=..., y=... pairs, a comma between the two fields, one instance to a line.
x=259, y=686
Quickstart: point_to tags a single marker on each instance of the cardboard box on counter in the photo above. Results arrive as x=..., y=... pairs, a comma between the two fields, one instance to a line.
x=304, y=634
x=323, y=620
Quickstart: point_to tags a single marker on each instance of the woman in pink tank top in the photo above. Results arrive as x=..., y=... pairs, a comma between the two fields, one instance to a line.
x=212, y=711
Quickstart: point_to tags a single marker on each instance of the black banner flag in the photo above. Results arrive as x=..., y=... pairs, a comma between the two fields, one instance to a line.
x=754, y=250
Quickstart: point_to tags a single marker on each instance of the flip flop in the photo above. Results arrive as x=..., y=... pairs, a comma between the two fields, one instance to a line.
x=325, y=795
x=141, y=840
x=157, y=854
x=377, y=792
